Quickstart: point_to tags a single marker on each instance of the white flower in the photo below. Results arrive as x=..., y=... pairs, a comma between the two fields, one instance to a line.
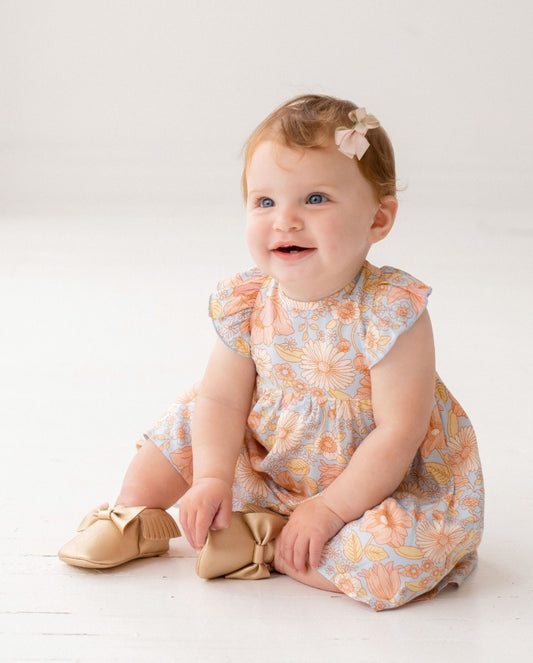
x=289, y=431
x=263, y=362
x=325, y=367
x=438, y=539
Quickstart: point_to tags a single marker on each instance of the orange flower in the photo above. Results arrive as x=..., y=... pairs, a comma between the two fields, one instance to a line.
x=435, y=436
x=270, y=320
x=416, y=294
x=412, y=571
x=360, y=363
x=383, y=580
x=327, y=446
x=285, y=372
x=299, y=386
x=343, y=345
x=244, y=293
x=402, y=311
x=319, y=395
x=182, y=459
x=292, y=485
x=328, y=473
x=364, y=393
x=457, y=408
x=388, y=523
x=347, y=312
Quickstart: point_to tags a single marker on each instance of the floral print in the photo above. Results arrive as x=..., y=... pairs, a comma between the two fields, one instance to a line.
x=312, y=409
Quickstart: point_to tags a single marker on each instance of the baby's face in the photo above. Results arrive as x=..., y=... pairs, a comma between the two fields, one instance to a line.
x=310, y=217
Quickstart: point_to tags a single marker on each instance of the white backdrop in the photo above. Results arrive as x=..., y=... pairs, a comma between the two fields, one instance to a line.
x=113, y=103
x=121, y=128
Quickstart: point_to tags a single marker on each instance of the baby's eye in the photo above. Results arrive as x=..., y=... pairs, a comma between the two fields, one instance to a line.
x=265, y=202
x=316, y=198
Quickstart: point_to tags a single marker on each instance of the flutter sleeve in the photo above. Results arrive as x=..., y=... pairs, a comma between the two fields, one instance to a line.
x=394, y=302
x=231, y=306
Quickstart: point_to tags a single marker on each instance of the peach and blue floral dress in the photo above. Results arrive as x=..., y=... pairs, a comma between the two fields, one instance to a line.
x=311, y=410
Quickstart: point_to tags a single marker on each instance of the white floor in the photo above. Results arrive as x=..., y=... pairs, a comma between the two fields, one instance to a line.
x=104, y=323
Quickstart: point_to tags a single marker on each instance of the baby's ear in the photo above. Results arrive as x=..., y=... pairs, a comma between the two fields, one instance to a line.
x=383, y=218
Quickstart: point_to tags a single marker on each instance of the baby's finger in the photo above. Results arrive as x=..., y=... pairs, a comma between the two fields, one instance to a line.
x=204, y=520
x=223, y=516
x=186, y=519
x=315, y=553
x=288, y=538
x=300, y=553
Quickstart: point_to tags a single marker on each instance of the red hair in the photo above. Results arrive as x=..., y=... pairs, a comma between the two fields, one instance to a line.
x=309, y=121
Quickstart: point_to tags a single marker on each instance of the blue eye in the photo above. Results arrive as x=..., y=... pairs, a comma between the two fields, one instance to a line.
x=266, y=202
x=316, y=199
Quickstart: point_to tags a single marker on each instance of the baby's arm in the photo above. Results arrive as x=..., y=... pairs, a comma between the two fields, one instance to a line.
x=403, y=385
x=221, y=409
x=403, y=390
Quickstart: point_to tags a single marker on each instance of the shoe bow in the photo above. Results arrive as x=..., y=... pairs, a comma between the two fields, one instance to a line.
x=120, y=516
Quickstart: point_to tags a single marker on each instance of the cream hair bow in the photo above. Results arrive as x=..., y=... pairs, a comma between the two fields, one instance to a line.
x=352, y=141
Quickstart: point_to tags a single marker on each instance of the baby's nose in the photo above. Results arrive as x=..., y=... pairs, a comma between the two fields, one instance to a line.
x=288, y=220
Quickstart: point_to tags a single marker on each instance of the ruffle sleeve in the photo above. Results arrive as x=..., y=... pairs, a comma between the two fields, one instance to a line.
x=393, y=300
x=230, y=308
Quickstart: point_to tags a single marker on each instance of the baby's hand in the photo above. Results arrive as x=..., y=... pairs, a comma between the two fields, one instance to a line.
x=310, y=526
x=206, y=505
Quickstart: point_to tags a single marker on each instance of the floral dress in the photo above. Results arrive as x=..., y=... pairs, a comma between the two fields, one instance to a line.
x=312, y=408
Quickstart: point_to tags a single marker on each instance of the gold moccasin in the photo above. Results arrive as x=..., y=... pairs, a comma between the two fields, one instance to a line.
x=112, y=536
x=245, y=549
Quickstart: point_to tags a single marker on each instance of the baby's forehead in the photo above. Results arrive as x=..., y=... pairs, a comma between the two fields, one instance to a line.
x=273, y=150
x=273, y=153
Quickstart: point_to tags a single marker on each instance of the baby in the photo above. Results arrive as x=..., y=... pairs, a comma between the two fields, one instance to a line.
x=320, y=415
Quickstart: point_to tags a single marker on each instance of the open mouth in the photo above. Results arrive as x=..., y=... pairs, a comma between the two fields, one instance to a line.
x=291, y=249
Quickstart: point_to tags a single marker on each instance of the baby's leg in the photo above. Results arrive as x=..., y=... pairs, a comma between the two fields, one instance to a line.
x=151, y=480
x=139, y=526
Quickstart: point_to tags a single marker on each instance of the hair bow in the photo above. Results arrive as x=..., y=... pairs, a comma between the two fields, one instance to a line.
x=352, y=142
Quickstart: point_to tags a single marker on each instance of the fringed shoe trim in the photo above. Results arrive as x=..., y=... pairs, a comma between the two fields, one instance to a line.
x=157, y=524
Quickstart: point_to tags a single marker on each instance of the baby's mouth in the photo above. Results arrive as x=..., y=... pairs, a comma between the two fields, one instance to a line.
x=291, y=249
x=292, y=252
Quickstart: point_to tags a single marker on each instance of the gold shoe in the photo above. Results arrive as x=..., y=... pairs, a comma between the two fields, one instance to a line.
x=109, y=537
x=245, y=549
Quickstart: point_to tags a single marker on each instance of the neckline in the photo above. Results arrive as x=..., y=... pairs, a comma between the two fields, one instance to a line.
x=300, y=305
